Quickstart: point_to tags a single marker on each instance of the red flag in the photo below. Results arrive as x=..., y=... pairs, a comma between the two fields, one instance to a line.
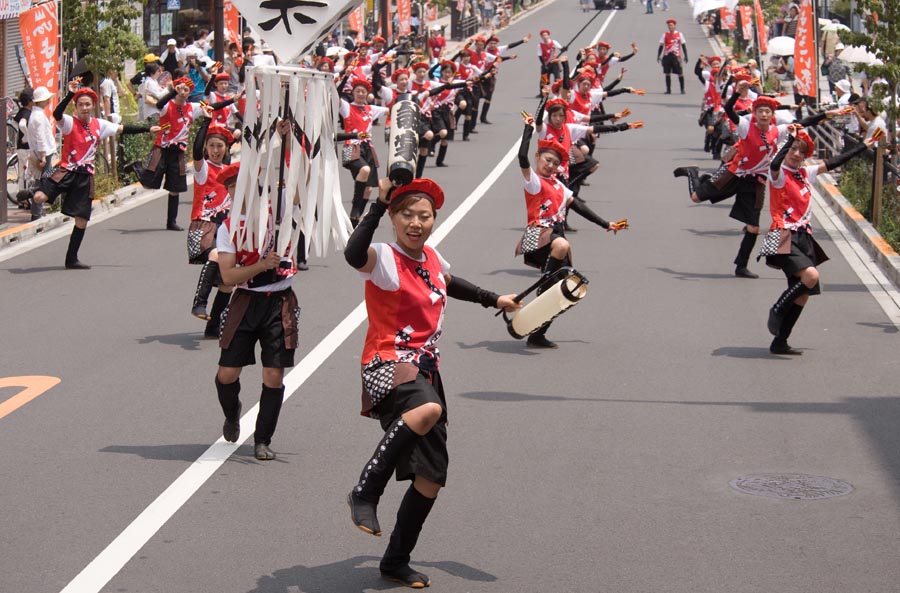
x=760, y=27
x=232, y=23
x=805, y=75
x=746, y=22
x=40, y=34
x=404, y=15
x=356, y=20
x=728, y=18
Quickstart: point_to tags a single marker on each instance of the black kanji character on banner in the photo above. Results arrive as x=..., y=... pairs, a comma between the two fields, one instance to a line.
x=284, y=6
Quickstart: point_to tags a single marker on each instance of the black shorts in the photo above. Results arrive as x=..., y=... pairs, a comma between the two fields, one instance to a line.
x=366, y=159
x=428, y=457
x=748, y=200
x=671, y=64
x=440, y=120
x=168, y=162
x=805, y=253
x=78, y=187
x=262, y=322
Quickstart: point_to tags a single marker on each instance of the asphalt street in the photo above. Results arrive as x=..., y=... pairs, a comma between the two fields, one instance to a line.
x=603, y=466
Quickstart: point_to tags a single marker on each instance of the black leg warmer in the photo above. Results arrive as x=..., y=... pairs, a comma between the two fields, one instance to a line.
x=411, y=517
x=231, y=407
x=269, y=408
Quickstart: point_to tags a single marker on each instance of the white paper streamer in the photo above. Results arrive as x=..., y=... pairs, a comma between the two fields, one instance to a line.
x=312, y=170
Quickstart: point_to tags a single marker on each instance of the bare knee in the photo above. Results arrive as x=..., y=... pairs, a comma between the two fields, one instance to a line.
x=753, y=230
x=423, y=418
x=363, y=173
x=426, y=487
x=559, y=248
x=809, y=277
x=228, y=375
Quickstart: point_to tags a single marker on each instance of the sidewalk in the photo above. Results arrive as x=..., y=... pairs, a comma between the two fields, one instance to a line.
x=19, y=229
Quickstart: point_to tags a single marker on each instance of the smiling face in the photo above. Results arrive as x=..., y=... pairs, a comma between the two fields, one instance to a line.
x=447, y=74
x=796, y=154
x=402, y=81
x=360, y=94
x=547, y=163
x=215, y=149
x=763, y=115
x=413, y=221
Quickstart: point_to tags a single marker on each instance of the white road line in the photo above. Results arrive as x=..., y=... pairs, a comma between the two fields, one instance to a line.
x=110, y=561
x=122, y=549
x=880, y=287
x=603, y=28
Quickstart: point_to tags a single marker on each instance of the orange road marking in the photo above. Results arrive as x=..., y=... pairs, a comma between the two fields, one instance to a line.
x=33, y=387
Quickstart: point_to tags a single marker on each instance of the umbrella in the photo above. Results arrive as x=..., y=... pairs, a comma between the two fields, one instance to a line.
x=855, y=54
x=823, y=22
x=835, y=26
x=781, y=46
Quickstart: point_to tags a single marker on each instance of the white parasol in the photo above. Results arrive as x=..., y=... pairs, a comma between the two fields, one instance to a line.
x=856, y=54
x=835, y=26
x=780, y=46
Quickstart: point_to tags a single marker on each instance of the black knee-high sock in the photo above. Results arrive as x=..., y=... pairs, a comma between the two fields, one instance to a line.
x=441, y=154
x=668, y=83
x=788, y=296
x=681, y=83
x=420, y=165
x=434, y=142
x=746, y=249
x=791, y=315
x=359, y=200
x=228, y=398
x=218, y=306
x=172, y=210
x=411, y=516
x=484, y=110
x=269, y=407
x=75, y=240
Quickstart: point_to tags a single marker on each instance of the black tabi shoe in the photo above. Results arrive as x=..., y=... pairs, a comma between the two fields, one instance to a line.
x=406, y=576
x=743, y=272
x=540, y=341
x=774, y=323
x=364, y=514
x=173, y=227
x=685, y=171
x=212, y=330
x=231, y=430
x=200, y=313
x=473, y=131
x=77, y=265
x=780, y=346
x=262, y=452
x=484, y=121
x=440, y=165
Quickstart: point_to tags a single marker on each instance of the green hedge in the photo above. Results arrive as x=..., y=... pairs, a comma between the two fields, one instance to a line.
x=856, y=186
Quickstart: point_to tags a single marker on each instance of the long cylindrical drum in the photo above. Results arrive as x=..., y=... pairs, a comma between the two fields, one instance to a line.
x=403, y=144
x=549, y=305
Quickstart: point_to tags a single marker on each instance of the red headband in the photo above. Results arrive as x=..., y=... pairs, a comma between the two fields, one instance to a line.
x=603, y=44
x=554, y=146
x=361, y=82
x=85, y=92
x=220, y=131
x=542, y=31
x=673, y=21
x=222, y=76
x=397, y=74
x=764, y=101
x=419, y=65
x=422, y=186
x=810, y=143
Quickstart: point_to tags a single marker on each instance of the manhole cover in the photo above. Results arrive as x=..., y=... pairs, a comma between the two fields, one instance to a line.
x=791, y=486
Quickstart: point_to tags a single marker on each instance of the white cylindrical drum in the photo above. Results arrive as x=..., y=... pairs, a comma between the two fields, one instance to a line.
x=403, y=144
x=548, y=306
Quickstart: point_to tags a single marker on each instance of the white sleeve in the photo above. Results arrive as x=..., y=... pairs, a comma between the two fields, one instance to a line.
x=386, y=94
x=784, y=116
x=663, y=38
x=223, y=239
x=779, y=182
x=445, y=266
x=532, y=185
x=812, y=171
x=378, y=111
x=344, y=109
x=196, y=111
x=201, y=175
x=743, y=127
x=108, y=129
x=577, y=132
x=65, y=127
x=384, y=275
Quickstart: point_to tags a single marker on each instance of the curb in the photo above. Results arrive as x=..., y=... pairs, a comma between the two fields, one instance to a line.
x=878, y=249
x=16, y=235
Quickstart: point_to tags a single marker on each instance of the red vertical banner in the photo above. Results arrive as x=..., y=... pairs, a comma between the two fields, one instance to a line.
x=761, y=27
x=431, y=13
x=728, y=18
x=805, y=74
x=232, y=23
x=404, y=16
x=356, y=21
x=746, y=22
x=40, y=36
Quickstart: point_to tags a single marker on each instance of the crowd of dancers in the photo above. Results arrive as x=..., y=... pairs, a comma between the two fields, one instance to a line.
x=760, y=145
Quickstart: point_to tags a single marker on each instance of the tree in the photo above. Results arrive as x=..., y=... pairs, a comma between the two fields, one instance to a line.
x=882, y=37
x=101, y=32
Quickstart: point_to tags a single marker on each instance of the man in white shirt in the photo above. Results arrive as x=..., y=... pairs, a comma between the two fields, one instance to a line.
x=109, y=97
x=41, y=141
x=150, y=91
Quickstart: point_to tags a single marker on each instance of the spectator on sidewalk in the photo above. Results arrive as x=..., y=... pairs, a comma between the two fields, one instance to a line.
x=150, y=92
x=837, y=68
x=41, y=142
x=791, y=20
x=20, y=119
x=109, y=97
